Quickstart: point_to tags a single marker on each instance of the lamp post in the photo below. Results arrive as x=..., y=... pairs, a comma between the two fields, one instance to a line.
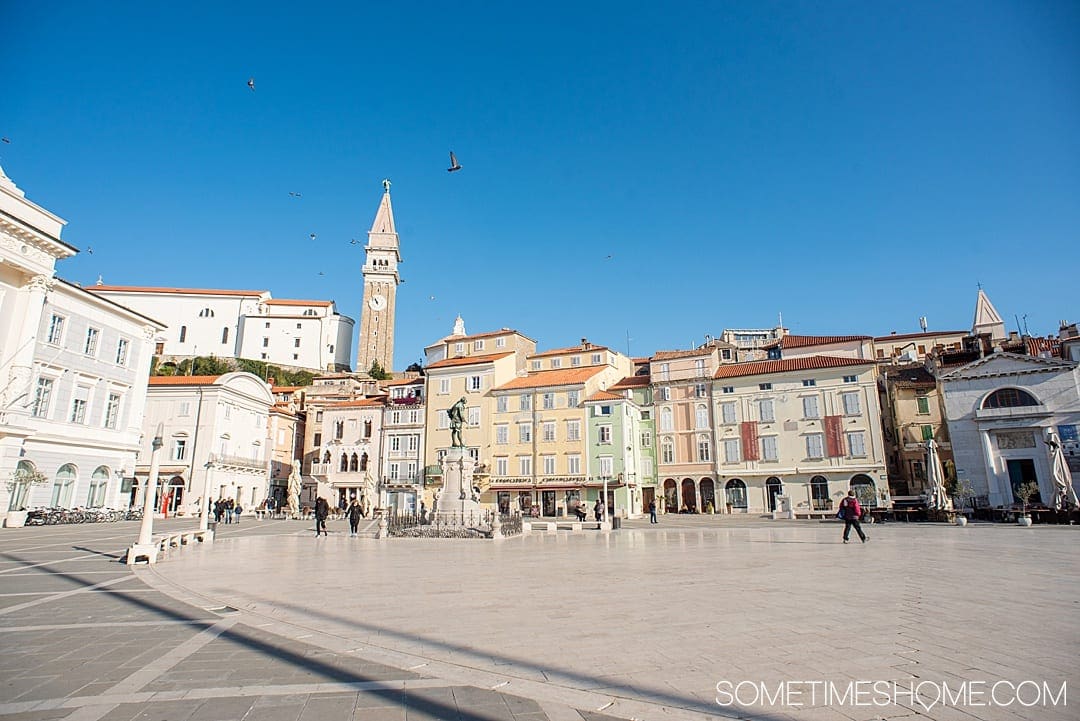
x=143, y=548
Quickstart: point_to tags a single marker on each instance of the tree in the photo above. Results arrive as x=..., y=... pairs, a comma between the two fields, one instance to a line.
x=378, y=372
x=415, y=368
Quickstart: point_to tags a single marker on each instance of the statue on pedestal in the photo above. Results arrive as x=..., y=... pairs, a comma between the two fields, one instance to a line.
x=294, y=489
x=457, y=420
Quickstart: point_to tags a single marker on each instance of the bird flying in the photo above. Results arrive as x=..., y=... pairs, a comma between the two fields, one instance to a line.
x=6, y=140
x=89, y=250
x=454, y=165
x=251, y=84
x=295, y=195
x=312, y=236
x=354, y=241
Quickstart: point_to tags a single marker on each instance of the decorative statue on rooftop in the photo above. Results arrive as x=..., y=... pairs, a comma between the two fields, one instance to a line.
x=457, y=420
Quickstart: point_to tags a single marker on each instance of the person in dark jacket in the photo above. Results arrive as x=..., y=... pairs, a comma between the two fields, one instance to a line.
x=354, y=512
x=322, y=510
x=851, y=512
x=652, y=511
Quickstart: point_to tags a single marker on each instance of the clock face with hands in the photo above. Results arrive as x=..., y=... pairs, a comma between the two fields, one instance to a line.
x=377, y=302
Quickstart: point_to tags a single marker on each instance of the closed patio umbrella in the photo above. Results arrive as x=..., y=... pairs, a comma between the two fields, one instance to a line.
x=938, y=499
x=1065, y=494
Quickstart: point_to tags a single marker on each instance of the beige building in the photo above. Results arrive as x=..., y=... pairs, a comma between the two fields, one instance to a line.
x=836, y=346
x=286, y=444
x=403, y=444
x=805, y=428
x=540, y=449
x=914, y=347
x=912, y=415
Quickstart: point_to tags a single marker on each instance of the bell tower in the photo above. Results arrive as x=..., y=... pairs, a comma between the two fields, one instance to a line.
x=381, y=258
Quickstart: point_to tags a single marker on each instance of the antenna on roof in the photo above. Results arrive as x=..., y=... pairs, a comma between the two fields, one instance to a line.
x=922, y=323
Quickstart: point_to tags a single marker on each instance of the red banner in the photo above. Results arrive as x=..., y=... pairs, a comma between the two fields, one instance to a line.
x=834, y=436
x=750, y=443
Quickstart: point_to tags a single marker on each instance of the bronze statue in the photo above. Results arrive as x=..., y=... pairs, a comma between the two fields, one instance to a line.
x=457, y=420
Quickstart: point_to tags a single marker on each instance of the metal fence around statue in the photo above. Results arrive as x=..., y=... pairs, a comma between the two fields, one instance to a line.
x=449, y=525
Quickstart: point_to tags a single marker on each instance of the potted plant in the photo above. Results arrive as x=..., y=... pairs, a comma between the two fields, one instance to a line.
x=1024, y=492
x=22, y=479
x=963, y=493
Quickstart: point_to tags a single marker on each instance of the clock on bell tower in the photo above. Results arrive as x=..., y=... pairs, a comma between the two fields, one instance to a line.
x=381, y=258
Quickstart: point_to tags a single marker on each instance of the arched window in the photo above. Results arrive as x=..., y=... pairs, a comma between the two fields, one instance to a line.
x=704, y=448
x=819, y=493
x=667, y=451
x=63, y=486
x=20, y=486
x=354, y=463
x=367, y=429
x=735, y=490
x=363, y=462
x=701, y=416
x=326, y=457
x=865, y=490
x=339, y=429
x=666, y=420
x=206, y=313
x=773, y=488
x=99, y=482
x=1009, y=398
x=344, y=466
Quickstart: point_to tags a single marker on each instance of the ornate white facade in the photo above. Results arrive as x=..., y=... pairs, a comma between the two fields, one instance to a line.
x=73, y=369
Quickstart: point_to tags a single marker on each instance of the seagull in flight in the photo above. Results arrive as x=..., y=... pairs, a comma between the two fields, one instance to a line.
x=251, y=84
x=354, y=241
x=312, y=236
x=6, y=140
x=89, y=250
x=454, y=164
x=295, y=195
x=609, y=257
x=321, y=273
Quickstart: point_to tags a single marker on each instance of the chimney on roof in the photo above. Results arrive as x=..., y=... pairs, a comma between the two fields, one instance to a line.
x=892, y=333
x=585, y=344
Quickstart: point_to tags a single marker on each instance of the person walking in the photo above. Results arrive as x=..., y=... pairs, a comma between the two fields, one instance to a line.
x=322, y=510
x=598, y=509
x=354, y=513
x=652, y=511
x=850, y=512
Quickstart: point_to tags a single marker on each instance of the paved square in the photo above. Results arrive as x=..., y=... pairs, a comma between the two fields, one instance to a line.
x=639, y=623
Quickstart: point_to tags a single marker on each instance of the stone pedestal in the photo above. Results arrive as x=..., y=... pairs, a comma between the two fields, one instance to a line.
x=457, y=500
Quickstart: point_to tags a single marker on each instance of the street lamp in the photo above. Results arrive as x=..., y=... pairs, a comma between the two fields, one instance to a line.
x=143, y=546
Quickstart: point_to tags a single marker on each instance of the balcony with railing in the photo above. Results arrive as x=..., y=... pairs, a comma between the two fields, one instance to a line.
x=224, y=459
x=320, y=469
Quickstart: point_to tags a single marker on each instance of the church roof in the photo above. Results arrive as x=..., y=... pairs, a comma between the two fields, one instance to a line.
x=985, y=313
x=384, y=216
x=285, y=301
x=180, y=291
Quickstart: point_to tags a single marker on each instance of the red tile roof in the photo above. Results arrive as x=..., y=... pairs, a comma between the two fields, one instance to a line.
x=805, y=341
x=469, y=360
x=560, y=377
x=905, y=336
x=285, y=301
x=285, y=389
x=757, y=368
x=670, y=354
x=362, y=403
x=182, y=380
x=182, y=291
x=632, y=382
x=568, y=351
x=604, y=396
x=405, y=382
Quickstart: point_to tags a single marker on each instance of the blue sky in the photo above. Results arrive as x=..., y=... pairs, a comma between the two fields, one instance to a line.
x=851, y=165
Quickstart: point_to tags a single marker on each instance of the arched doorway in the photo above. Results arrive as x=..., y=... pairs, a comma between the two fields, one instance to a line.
x=865, y=490
x=99, y=483
x=63, y=486
x=689, y=496
x=819, y=494
x=773, y=488
x=708, y=496
x=176, y=494
x=671, y=496
x=735, y=492
x=20, y=485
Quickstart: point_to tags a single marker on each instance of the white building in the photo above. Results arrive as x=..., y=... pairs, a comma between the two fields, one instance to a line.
x=348, y=453
x=242, y=324
x=403, y=444
x=73, y=369
x=216, y=440
x=999, y=409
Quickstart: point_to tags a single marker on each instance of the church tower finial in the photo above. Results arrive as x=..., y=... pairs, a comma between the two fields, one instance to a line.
x=459, y=327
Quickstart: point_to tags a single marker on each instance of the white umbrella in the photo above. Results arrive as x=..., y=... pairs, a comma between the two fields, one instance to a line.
x=938, y=499
x=1065, y=494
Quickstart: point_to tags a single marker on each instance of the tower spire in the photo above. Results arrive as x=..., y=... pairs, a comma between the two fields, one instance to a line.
x=381, y=279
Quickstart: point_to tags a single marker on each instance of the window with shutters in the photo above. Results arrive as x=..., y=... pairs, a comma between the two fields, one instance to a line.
x=731, y=450
x=927, y=432
x=502, y=434
x=815, y=445
x=923, y=405
x=474, y=416
x=856, y=442
x=765, y=411
x=525, y=432
x=500, y=466
x=704, y=449
x=502, y=404
x=573, y=430
x=769, y=450
x=573, y=464
x=604, y=435
x=571, y=399
x=525, y=402
x=667, y=420
x=701, y=416
x=851, y=404
x=525, y=465
x=667, y=451
x=810, y=407
x=549, y=465
x=727, y=412
x=547, y=431
x=548, y=400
